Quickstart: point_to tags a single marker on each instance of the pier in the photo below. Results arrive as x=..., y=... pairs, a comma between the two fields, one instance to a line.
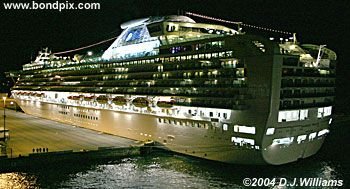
x=33, y=139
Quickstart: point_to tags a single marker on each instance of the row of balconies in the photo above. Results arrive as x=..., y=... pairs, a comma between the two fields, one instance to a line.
x=309, y=73
x=292, y=84
x=119, y=69
x=307, y=95
x=159, y=91
x=192, y=74
x=202, y=82
x=307, y=82
x=297, y=104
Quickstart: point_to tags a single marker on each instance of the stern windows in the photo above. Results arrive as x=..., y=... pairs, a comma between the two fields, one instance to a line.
x=323, y=112
x=270, y=131
x=292, y=115
x=242, y=141
x=285, y=116
x=327, y=111
x=283, y=141
x=301, y=138
x=225, y=127
x=323, y=132
x=303, y=114
x=243, y=129
x=312, y=136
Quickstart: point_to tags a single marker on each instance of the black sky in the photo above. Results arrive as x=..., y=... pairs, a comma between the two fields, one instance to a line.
x=24, y=32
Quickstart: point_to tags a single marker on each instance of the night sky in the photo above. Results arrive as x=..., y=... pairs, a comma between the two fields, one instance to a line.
x=24, y=32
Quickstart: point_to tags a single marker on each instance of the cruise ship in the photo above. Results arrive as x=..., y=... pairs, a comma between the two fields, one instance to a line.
x=204, y=90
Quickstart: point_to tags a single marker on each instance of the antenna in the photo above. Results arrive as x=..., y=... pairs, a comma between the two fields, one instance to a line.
x=320, y=53
x=294, y=38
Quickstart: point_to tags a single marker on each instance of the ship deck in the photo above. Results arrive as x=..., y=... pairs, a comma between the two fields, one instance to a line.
x=29, y=133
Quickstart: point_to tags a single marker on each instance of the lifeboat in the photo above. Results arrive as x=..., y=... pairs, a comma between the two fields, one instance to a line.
x=103, y=99
x=74, y=97
x=39, y=94
x=119, y=100
x=89, y=98
x=140, y=102
x=165, y=102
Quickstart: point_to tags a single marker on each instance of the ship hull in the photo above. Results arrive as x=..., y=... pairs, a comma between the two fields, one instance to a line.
x=199, y=142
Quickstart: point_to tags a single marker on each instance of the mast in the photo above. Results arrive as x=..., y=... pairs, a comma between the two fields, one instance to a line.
x=320, y=53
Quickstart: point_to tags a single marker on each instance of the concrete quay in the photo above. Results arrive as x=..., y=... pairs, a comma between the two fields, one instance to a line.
x=36, y=137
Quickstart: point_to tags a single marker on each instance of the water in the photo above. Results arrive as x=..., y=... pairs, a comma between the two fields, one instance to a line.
x=167, y=170
x=162, y=171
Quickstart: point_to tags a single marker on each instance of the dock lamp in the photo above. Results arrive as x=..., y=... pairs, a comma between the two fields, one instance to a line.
x=4, y=98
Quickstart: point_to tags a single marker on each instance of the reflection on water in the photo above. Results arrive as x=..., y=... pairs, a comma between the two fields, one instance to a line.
x=165, y=170
x=17, y=180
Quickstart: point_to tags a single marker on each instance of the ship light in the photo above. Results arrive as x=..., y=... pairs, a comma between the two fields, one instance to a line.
x=244, y=129
x=89, y=53
x=225, y=127
x=330, y=121
x=312, y=136
x=301, y=138
x=242, y=141
x=165, y=98
x=283, y=141
x=270, y=131
x=323, y=132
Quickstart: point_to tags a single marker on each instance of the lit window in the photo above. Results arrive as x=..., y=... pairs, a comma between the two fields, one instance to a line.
x=292, y=115
x=242, y=141
x=303, y=114
x=327, y=111
x=312, y=136
x=225, y=127
x=323, y=132
x=244, y=129
x=320, y=112
x=270, y=131
x=301, y=138
x=285, y=141
x=330, y=121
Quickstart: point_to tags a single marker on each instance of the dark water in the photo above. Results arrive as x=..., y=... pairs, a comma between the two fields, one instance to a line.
x=166, y=170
